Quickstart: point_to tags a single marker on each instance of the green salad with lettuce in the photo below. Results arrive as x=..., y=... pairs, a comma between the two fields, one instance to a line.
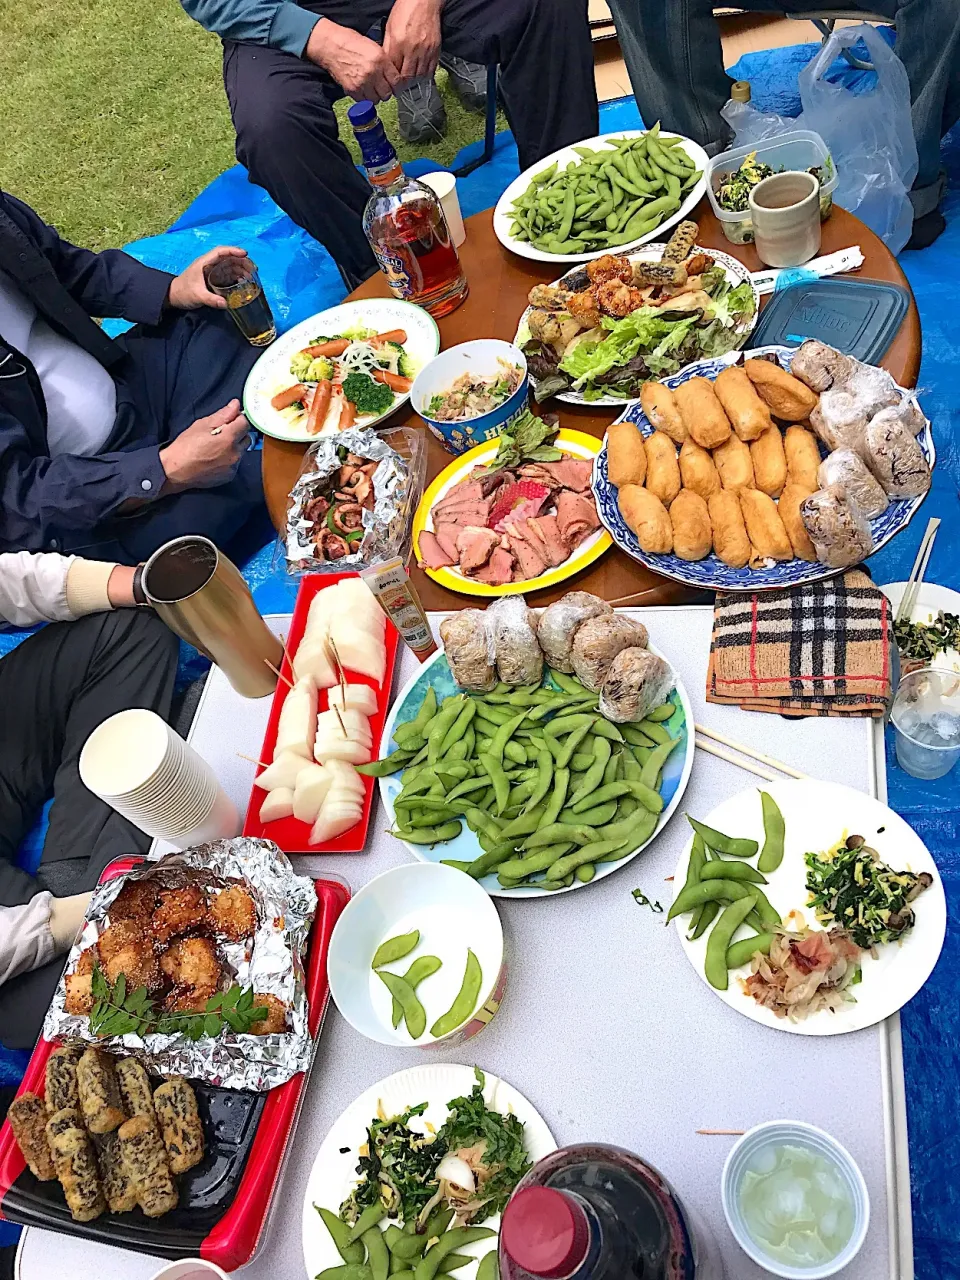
x=651, y=342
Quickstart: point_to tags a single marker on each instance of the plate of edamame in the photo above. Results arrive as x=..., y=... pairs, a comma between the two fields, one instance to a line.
x=334, y=1177
x=551, y=819
x=761, y=837
x=607, y=194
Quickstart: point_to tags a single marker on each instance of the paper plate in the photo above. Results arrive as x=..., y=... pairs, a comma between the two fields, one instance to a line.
x=711, y=574
x=272, y=373
x=817, y=816
x=736, y=272
x=576, y=443
x=502, y=217
x=435, y=672
x=333, y=1175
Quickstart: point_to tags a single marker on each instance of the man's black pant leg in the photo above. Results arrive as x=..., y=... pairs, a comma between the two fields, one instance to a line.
x=55, y=689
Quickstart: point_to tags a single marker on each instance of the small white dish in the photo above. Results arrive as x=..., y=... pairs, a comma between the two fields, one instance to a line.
x=453, y=914
x=795, y=1133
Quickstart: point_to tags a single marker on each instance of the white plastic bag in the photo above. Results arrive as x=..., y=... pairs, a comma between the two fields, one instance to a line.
x=870, y=134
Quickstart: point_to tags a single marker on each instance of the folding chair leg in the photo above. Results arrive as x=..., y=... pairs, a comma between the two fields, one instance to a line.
x=825, y=26
x=490, y=126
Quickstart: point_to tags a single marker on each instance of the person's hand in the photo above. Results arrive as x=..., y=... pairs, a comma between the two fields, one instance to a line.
x=411, y=38
x=208, y=452
x=360, y=67
x=189, y=289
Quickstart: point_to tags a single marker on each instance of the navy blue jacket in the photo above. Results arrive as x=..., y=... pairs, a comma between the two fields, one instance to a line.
x=52, y=503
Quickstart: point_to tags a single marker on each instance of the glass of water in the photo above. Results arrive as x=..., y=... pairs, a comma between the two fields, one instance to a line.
x=926, y=718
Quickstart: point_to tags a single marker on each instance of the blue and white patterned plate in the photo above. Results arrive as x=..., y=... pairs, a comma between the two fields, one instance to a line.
x=435, y=673
x=711, y=574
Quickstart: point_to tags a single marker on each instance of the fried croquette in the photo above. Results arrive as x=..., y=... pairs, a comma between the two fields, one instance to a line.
x=192, y=962
x=179, y=911
x=135, y=901
x=79, y=985
x=233, y=914
x=276, y=1020
x=124, y=948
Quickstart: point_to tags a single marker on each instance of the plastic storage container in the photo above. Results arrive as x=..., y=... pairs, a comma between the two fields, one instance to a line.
x=858, y=317
x=799, y=149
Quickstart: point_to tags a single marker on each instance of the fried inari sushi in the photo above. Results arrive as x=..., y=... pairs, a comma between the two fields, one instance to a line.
x=663, y=471
x=99, y=1092
x=145, y=1162
x=702, y=413
x=784, y=395
x=121, y=1195
x=28, y=1120
x=734, y=464
x=135, y=1087
x=697, y=469
x=690, y=519
x=748, y=415
x=730, y=540
x=764, y=526
x=658, y=403
x=180, y=1127
x=60, y=1083
x=626, y=455
x=803, y=457
x=646, y=515
x=76, y=1165
x=769, y=462
x=789, y=509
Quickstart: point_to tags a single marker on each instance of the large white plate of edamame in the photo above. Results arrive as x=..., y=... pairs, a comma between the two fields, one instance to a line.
x=503, y=218
x=817, y=816
x=435, y=674
x=334, y=1176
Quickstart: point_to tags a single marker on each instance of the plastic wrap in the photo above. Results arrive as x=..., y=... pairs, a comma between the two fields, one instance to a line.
x=839, y=420
x=637, y=682
x=894, y=456
x=272, y=965
x=397, y=489
x=559, y=622
x=469, y=648
x=845, y=468
x=512, y=629
x=597, y=643
x=837, y=527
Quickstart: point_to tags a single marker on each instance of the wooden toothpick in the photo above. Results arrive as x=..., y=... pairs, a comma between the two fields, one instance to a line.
x=251, y=760
x=277, y=673
x=722, y=1133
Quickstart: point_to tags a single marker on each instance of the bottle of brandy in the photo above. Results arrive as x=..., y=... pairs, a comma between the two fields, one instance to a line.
x=405, y=225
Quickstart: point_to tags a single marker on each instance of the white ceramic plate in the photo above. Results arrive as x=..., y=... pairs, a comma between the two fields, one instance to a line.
x=436, y=672
x=736, y=272
x=502, y=217
x=272, y=373
x=817, y=816
x=333, y=1175
x=931, y=598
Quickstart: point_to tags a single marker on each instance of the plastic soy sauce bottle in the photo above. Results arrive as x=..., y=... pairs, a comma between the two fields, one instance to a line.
x=595, y=1212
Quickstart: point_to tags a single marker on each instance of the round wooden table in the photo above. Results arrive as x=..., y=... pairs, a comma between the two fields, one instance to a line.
x=499, y=283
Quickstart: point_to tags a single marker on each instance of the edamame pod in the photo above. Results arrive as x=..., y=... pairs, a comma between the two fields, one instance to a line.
x=388, y=765
x=538, y=860
x=697, y=863
x=395, y=948
x=429, y=1264
x=501, y=784
x=421, y=969
x=774, y=834
x=349, y=1251
x=657, y=758
x=429, y=835
x=456, y=1015
x=732, y=846
x=349, y=1271
x=378, y=1258
x=414, y=1013
x=740, y=953
x=715, y=962
x=489, y=1268
x=731, y=871
x=703, y=919
x=369, y=1217
x=594, y=775
x=663, y=712
x=584, y=873
x=708, y=891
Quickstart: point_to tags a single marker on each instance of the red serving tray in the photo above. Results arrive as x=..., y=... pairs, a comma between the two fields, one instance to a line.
x=288, y=833
x=229, y=1239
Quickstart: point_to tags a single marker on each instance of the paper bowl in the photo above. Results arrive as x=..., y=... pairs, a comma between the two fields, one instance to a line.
x=478, y=357
x=810, y=1137
x=453, y=913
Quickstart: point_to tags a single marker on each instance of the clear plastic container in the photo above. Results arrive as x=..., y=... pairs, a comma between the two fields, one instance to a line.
x=799, y=149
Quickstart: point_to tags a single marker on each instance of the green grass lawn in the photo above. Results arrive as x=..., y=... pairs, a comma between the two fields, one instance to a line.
x=114, y=115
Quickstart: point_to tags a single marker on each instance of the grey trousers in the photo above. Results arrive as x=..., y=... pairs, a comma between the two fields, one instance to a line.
x=673, y=54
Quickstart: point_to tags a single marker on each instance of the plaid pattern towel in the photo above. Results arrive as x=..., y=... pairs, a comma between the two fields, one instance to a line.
x=818, y=650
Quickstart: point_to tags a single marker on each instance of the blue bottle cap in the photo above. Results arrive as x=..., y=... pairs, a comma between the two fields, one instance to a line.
x=362, y=114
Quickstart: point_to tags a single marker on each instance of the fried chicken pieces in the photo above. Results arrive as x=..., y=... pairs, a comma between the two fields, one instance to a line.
x=165, y=938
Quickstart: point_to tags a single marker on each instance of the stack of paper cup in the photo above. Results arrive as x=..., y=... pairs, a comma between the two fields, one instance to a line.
x=136, y=764
x=444, y=187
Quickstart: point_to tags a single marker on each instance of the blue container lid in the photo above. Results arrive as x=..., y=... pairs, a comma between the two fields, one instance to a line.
x=858, y=317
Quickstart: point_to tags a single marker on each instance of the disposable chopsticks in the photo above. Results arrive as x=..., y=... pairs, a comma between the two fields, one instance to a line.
x=917, y=572
x=718, y=751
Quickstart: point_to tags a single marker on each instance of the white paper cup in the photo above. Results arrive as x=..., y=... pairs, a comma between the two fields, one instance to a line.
x=444, y=186
x=190, y=1269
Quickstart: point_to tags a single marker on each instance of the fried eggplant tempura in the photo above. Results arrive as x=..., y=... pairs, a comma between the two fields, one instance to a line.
x=601, y=270
x=179, y=911
x=125, y=948
x=233, y=914
x=276, y=1020
x=192, y=962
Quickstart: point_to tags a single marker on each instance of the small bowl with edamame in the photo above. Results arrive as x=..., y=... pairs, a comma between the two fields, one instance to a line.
x=416, y=959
